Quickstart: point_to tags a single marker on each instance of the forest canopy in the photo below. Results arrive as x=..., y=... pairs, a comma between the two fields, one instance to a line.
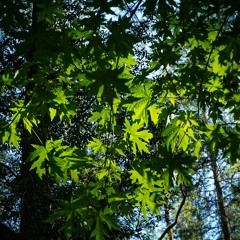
x=119, y=119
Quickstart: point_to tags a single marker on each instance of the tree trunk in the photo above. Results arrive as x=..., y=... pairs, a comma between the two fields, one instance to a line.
x=220, y=199
x=8, y=234
x=34, y=201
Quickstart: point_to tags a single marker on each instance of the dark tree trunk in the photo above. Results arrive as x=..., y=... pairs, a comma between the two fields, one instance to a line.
x=220, y=200
x=35, y=203
x=8, y=234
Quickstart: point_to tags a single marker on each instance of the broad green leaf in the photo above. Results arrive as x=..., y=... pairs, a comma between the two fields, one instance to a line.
x=129, y=61
x=97, y=146
x=28, y=125
x=74, y=175
x=146, y=179
x=51, y=144
x=53, y=113
x=106, y=216
x=103, y=117
x=102, y=173
x=12, y=137
x=143, y=94
x=197, y=148
x=172, y=138
x=61, y=97
x=167, y=178
x=154, y=113
x=171, y=97
x=120, y=151
x=138, y=138
x=184, y=176
x=41, y=154
x=99, y=231
x=183, y=139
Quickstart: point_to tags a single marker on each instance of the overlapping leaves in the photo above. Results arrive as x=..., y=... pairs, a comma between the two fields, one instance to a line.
x=166, y=110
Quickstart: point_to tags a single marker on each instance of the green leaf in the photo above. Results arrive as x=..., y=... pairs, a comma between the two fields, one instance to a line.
x=183, y=139
x=102, y=173
x=28, y=125
x=108, y=219
x=120, y=151
x=172, y=139
x=154, y=113
x=143, y=93
x=171, y=98
x=166, y=176
x=97, y=146
x=74, y=175
x=12, y=137
x=138, y=139
x=197, y=148
x=58, y=214
x=41, y=154
x=61, y=97
x=99, y=231
x=53, y=113
x=103, y=116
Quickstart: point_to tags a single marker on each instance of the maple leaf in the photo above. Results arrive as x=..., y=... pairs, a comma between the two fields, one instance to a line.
x=139, y=139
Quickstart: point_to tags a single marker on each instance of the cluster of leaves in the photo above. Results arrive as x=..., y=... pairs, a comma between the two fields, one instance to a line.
x=149, y=124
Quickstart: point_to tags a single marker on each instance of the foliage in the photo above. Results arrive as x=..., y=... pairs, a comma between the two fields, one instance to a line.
x=149, y=122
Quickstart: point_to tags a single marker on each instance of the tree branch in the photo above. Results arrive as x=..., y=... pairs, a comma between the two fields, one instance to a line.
x=184, y=195
x=135, y=9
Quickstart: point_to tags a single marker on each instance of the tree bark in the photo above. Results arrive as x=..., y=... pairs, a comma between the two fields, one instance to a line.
x=35, y=205
x=8, y=234
x=220, y=198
